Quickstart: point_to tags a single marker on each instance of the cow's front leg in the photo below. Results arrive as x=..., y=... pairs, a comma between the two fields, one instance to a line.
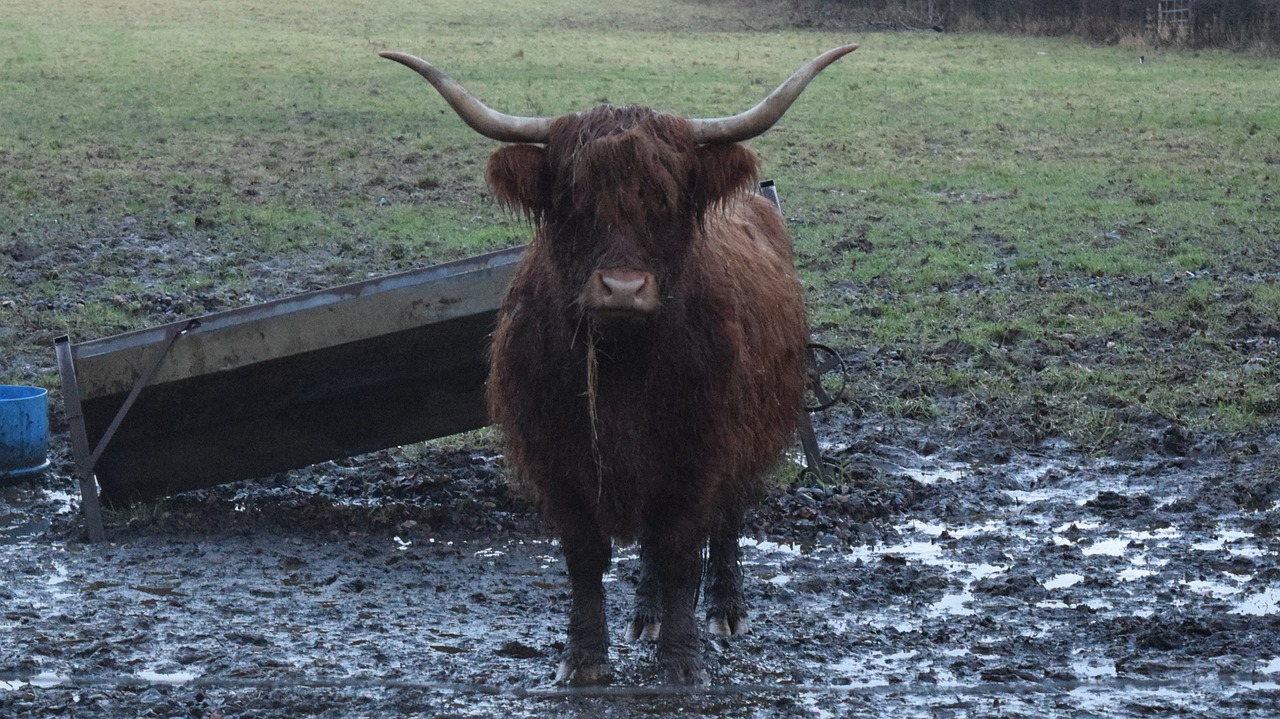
x=726, y=606
x=676, y=552
x=586, y=554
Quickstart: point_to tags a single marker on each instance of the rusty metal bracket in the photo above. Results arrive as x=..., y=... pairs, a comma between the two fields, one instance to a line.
x=86, y=460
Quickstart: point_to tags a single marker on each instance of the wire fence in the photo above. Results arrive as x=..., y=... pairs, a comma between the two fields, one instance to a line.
x=1253, y=682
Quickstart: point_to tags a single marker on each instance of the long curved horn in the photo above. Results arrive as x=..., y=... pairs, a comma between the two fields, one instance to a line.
x=490, y=123
x=757, y=120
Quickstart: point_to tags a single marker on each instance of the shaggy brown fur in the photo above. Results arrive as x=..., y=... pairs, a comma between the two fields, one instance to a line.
x=658, y=430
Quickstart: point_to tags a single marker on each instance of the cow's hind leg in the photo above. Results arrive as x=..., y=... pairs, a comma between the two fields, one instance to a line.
x=676, y=552
x=726, y=606
x=586, y=656
x=646, y=619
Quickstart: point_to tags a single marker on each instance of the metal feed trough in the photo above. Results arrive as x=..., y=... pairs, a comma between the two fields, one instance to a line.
x=286, y=384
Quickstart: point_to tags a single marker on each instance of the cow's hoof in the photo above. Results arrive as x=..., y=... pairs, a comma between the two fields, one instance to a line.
x=584, y=669
x=727, y=624
x=644, y=629
x=686, y=672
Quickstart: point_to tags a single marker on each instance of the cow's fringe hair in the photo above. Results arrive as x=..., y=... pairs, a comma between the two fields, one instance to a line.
x=619, y=164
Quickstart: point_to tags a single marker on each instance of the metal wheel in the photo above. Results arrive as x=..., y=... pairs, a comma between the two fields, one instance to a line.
x=827, y=377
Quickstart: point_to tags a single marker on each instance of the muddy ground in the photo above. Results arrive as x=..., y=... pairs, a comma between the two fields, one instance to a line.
x=955, y=568
x=938, y=577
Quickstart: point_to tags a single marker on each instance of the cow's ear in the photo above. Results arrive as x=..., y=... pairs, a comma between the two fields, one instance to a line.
x=723, y=170
x=519, y=176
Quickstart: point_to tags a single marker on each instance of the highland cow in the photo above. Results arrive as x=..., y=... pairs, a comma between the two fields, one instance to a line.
x=649, y=359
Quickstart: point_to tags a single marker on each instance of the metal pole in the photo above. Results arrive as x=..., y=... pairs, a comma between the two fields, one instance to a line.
x=808, y=438
x=79, y=440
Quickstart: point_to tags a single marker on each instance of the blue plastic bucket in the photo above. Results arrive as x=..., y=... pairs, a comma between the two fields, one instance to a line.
x=24, y=431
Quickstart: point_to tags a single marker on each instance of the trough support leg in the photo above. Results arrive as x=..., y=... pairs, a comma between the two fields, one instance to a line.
x=86, y=460
x=79, y=441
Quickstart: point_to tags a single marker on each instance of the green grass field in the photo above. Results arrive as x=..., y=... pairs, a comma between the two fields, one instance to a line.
x=1022, y=238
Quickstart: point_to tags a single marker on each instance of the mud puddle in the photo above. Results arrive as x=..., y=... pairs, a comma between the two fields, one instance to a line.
x=1046, y=585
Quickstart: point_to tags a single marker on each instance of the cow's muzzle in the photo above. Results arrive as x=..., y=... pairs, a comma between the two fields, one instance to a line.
x=621, y=295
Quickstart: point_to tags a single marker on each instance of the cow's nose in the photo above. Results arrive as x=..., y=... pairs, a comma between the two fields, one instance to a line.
x=626, y=288
x=618, y=290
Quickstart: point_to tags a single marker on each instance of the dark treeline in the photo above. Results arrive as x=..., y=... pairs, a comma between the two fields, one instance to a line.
x=1237, y=24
